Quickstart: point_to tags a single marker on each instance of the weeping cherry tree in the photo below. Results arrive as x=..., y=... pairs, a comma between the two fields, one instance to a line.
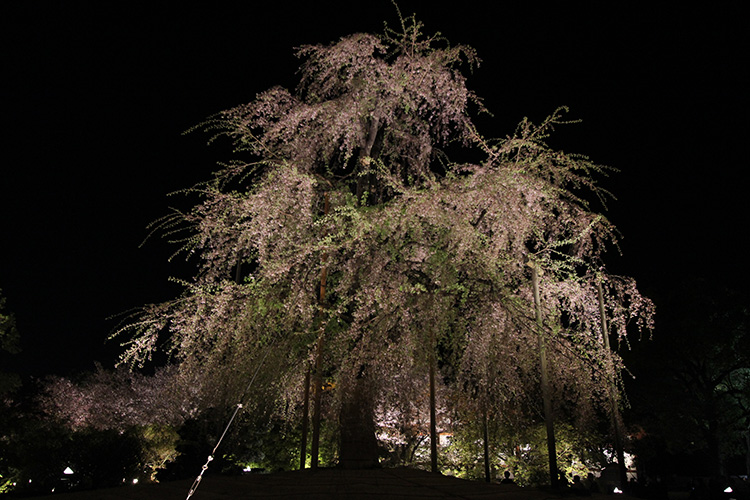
x=346, y=250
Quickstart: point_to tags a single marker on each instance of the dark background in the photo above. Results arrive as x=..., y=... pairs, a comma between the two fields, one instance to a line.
x=96, y=95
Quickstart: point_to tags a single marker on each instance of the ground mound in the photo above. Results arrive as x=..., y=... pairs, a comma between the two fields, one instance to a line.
x=372, y=484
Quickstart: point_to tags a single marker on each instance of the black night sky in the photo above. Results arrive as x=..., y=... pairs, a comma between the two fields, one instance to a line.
x=96, y=96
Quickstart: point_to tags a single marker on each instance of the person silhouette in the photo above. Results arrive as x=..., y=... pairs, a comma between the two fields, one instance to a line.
x=578, y=487
x=507, y=479
x=563, y=481
x=591, y=483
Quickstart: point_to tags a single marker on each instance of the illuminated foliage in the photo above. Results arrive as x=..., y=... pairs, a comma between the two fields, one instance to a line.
x=424, y=257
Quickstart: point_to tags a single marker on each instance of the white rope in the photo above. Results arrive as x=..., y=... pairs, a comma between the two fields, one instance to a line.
x=239, y=406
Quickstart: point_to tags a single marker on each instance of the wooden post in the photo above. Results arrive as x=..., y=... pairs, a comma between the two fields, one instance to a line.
x=433, y=419
x=546, y=395
x=486, y=447
x=614, y=410
x=317, y=390
x=318, y=372
x=305, y=419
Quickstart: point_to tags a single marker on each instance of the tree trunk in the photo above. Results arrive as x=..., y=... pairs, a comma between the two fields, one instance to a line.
x=358, y=446
x=364, y=183
x=712, y=437
x=546, y=395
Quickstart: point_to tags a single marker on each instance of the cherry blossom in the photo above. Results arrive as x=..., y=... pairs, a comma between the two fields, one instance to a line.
x=424, y=261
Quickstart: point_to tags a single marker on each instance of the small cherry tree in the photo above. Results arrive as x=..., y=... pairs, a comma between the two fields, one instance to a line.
x=147, y=409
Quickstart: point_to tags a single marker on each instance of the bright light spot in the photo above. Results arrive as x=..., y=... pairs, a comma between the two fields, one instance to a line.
x=617, y=490
x=247, y=469
x=135, y=481
x=68, y=471
x=728, y=490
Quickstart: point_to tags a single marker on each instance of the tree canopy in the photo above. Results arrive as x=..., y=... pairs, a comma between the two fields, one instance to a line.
x=344, y=237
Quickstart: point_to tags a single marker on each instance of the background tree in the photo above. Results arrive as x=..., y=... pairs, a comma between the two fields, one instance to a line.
x=10, y=343
x=36, y=450
x=701, y=386
x=9, y=383
x=149, y=410
x=122, y=399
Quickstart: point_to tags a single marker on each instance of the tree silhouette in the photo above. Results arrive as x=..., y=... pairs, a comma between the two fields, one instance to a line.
x=10, y=344
x=703, y=388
